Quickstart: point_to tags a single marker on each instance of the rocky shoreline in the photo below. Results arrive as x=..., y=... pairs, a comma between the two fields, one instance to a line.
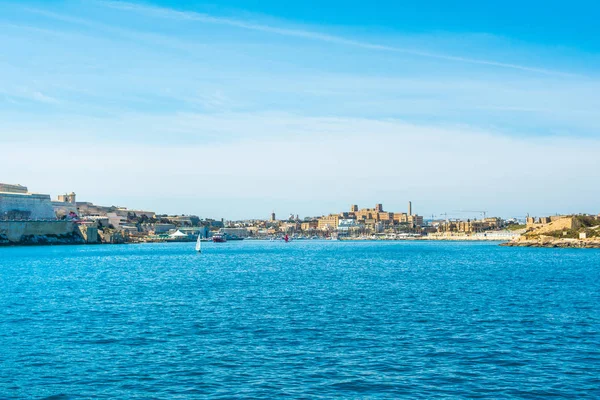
x=43, y=240
x=555, y=243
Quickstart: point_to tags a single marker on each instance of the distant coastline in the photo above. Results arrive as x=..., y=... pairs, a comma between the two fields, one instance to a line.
x=29, y=219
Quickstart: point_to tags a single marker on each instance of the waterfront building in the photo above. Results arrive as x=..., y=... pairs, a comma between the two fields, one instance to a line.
x=329, y=222
x=348, y=227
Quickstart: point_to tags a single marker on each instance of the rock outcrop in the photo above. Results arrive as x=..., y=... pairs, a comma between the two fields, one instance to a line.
x=576, y=231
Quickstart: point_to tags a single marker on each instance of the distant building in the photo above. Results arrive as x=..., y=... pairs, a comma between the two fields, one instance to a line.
x=163, y=228
x=371, y=218
x=347, y=226
x=239, y=232
x=67, y=198
x=307, y=226
x=65, y=205
x=116, y=220
x=214, y=223
x=469, y=226
x=329, y=222
x=196, y=230
x=183, y=220
x=126, y=213
x=87, y=208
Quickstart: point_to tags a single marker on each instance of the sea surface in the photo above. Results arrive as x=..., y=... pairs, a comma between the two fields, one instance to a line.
x=307, y=319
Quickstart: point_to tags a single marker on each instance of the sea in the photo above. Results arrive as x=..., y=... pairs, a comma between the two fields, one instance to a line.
x=306, y=319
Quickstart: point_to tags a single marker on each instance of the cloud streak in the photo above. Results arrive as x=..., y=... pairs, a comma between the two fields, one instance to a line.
x=318, y=36
x=294, y=124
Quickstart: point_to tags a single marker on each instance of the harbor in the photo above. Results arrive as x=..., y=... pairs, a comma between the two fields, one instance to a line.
x=34, y=219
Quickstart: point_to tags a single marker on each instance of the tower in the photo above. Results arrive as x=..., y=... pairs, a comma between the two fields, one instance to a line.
x=67, y=198
x=410, y=208
x=273, y=216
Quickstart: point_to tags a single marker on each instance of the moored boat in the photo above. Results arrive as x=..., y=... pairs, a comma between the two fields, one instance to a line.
x=218, y=238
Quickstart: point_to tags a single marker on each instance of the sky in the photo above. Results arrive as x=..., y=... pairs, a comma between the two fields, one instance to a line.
x=234, y=109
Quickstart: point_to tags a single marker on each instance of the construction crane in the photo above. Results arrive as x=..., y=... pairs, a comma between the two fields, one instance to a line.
x=484, y=213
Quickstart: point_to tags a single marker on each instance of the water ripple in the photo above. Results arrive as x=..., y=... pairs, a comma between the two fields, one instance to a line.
x=303, y=320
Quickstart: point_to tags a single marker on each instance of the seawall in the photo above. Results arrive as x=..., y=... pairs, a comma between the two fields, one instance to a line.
x=39, y=232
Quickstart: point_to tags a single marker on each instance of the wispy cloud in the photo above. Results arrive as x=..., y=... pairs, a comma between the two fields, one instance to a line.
x=27, y=94
x=315, y=35
x=111, y=76
x=41, y=97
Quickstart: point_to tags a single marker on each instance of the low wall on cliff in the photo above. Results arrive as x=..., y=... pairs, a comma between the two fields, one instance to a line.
x=15, y=230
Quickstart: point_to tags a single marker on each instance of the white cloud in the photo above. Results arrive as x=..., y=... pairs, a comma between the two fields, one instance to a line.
x=179, y=121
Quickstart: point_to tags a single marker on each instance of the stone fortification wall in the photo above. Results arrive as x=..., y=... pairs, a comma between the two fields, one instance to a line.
x=15, y=231
x=33, y=206
x=6, y=187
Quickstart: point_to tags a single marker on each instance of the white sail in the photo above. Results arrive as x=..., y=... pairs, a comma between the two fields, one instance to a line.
x=198, y=242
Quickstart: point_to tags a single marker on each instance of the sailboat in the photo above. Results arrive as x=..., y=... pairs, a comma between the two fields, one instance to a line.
x=198, y=243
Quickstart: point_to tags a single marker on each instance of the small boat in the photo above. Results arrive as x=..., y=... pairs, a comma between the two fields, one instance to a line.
x=198, y=245
x=218, y=238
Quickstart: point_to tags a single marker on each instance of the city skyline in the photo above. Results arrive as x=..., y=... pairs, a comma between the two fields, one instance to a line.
x=241, y=108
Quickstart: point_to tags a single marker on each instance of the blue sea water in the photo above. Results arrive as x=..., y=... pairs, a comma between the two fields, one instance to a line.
x=308, y=319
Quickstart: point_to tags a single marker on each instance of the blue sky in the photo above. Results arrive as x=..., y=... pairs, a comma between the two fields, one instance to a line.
x=237, y=108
